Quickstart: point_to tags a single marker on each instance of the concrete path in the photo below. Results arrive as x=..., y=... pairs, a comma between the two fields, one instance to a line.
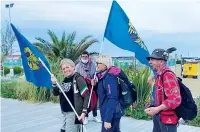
x=21, y=116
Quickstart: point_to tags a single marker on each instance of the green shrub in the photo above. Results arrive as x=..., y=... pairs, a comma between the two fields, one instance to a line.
x=178, y=62
x=17, y=70
x=26, y=91
x=137, y=111
x=23, y=90
x=6, y=70
x=140, y=80
x=8, y=90
x=196, y=121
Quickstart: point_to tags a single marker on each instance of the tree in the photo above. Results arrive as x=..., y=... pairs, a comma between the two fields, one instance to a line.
x=7, y=39
x=93, y=53
x=2, y=57
x=64, y=48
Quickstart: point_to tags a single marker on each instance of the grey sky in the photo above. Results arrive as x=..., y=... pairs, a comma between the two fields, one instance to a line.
x=160, y=23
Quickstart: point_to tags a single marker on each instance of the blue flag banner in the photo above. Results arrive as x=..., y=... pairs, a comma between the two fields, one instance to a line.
x=34, y=71
x=120, y=31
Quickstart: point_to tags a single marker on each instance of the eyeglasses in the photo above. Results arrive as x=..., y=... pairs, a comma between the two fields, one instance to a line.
x=99, y=63
x=84, y=56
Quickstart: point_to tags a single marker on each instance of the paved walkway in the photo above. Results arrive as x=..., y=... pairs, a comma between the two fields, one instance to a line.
x=20, y=116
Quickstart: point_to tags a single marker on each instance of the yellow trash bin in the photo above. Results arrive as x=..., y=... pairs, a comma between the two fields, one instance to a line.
x=190, y=69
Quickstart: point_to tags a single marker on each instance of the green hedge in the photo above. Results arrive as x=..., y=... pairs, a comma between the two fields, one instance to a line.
x=196, y=121
x=137, y=111
x=17, y=70
x=8, y=90
x=6, y=70
x=26, y=91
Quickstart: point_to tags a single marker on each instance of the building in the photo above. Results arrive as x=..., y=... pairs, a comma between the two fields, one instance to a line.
x=125, y=62
x=12, y=61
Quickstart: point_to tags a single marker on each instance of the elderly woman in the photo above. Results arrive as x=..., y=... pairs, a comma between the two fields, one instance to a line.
x=110, y=108
x=76, y=90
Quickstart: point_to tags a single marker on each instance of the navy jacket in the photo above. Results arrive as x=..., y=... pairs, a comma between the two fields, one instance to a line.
x=108, y=92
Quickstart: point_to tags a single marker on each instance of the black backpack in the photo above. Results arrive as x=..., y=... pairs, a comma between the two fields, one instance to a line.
x=187, y=110
x=128, y=94
x=127, y=91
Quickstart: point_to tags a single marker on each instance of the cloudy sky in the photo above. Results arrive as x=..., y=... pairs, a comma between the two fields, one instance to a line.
x=160, y=23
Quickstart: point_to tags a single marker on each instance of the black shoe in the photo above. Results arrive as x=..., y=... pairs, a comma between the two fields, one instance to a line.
x=62, y=130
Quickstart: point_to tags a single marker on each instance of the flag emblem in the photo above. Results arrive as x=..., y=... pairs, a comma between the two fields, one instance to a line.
x=33, y=62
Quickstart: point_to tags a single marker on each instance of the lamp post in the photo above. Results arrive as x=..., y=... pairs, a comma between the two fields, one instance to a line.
x=9, y=6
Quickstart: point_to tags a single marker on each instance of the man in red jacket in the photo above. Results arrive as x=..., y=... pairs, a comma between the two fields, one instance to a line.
x=166, y=94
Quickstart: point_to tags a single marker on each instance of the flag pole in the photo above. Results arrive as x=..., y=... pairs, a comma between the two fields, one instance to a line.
x=95, y=75
x=101, y=46
x=104, y=31
x=62, y=92
x=95, y=72
x=91, y=91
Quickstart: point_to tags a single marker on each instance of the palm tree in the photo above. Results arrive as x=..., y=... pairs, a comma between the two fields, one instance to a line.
x=64, y=48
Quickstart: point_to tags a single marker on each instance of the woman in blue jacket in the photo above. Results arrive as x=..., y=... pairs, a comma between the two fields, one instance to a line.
x=110, y=108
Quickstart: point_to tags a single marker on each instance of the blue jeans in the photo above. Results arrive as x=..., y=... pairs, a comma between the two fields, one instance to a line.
x=115, y=126
x=158, y=126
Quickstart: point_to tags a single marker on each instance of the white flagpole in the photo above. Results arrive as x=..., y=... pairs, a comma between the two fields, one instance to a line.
x=62, y=93
x=101, y=47
x=95, y=75
x=95, y=72
x=91, y=91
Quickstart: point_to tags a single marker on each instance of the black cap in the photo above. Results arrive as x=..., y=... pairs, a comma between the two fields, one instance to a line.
x=159, y=54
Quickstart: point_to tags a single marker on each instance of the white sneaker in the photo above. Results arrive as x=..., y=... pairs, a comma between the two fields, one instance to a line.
x=85, y=122
x=96, y=119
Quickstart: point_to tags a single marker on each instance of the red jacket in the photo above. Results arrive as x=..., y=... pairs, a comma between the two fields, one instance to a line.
x=167, y=92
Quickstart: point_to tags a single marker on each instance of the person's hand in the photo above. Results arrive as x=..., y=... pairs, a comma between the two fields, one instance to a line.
x=152, y=111
x=53, y=79
x=107, y=125
x=150, y=80
x=82, y=117
x=93, y=82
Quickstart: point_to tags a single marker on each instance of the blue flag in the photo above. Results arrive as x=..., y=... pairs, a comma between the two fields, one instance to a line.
x=34, y=70
x=120, y=31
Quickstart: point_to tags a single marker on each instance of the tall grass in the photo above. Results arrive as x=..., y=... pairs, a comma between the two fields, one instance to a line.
x=140, y=80
x=26, y=91
x=143, y=89
x=8, y=90
x=23, y=90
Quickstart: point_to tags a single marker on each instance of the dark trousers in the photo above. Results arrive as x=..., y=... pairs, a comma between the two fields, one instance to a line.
x=115, y=126
x=158, y=126
x=94, y=112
